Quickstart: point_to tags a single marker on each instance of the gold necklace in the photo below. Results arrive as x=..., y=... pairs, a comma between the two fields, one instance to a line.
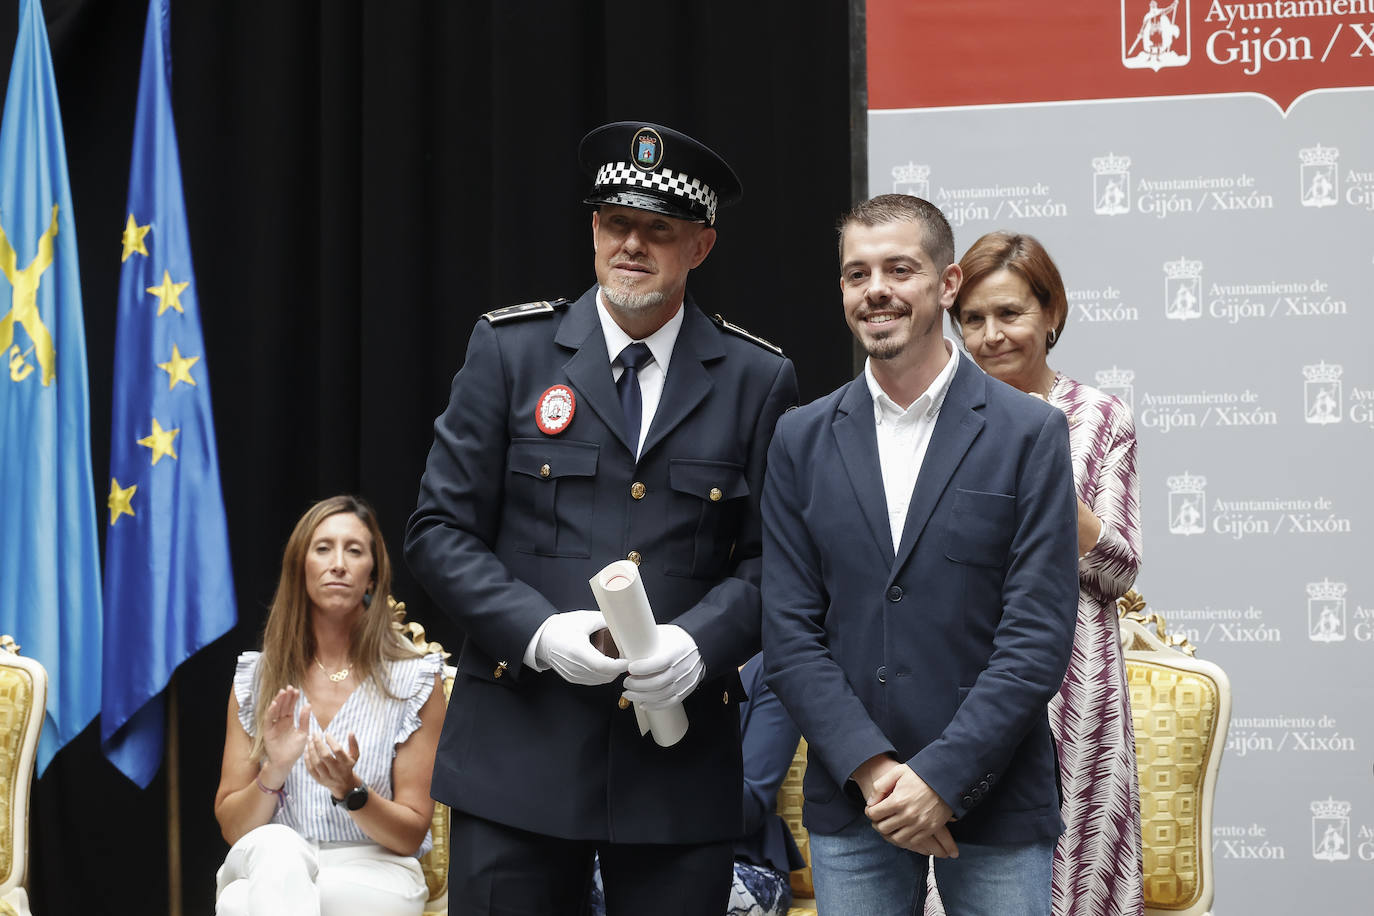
x=337, y=675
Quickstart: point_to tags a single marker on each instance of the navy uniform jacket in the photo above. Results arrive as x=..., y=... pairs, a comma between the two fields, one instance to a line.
x=943, y=650
x=512, y=523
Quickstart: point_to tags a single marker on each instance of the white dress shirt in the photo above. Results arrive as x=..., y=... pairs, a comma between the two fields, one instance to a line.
x=904, y=437
x=652, y=375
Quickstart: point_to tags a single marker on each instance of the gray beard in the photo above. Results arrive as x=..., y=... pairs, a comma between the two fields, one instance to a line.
x=633, y=304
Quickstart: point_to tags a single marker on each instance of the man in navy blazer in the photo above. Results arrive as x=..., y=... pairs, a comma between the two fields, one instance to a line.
x=624, y=425
x=920, y=590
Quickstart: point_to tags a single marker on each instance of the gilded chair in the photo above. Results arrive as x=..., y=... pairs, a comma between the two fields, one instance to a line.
x=434, y=863
x=790, y=809
x=1180, y=708
x=23, y=696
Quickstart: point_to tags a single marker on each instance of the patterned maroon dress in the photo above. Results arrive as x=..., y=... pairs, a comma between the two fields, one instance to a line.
x=1097, y=862
x=1097, y=866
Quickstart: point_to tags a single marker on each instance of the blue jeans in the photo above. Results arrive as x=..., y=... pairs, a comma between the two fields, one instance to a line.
x=858, y=873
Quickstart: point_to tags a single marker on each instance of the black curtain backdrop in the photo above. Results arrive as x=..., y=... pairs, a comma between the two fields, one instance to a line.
x=364, y=178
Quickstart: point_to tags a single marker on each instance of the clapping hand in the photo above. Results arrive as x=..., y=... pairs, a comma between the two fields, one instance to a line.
x=284, y=732
x=332, y=766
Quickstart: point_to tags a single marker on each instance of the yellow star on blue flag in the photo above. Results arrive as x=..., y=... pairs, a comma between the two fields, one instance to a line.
x=161, y=441
x=178, y=368
x=121, y=500
x=133, y=239
x=168, y=293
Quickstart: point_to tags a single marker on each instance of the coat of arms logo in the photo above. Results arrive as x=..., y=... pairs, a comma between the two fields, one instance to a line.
x=1319, y=176
x=1111, y=185
x=1326, y=611
x=1182, y=289
x=1187, y=504
x=1120, y=383
x=911, y=179
x=1155, y=36
x=1321, y=393
x=647, y=149
x=1331, y=830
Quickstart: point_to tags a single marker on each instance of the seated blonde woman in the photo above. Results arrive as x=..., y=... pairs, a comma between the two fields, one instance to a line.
x=330, y=738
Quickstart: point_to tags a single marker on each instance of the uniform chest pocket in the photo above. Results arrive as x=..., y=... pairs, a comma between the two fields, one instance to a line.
x=709, y=498
x=551, y=490
x=980, y=528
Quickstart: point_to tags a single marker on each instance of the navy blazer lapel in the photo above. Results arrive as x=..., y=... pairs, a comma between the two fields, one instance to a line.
x=856, y=437
x=688, y=382
x=589, y=369
x=955, y=429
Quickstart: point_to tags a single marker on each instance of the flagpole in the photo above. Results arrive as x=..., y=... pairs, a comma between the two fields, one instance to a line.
x=173, y=800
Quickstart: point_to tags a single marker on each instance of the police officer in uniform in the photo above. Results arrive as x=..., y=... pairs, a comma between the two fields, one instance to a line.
x=626, y=424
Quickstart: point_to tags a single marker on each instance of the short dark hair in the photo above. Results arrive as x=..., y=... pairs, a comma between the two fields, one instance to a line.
x=1022, y=255
x=937, y=237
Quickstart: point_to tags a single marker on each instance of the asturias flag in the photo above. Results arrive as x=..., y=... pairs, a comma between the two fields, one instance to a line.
x=168, y=585
x=49, y=561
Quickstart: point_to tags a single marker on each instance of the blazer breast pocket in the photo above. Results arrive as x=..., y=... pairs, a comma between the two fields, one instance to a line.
x=708, y=500
x=552, y=489
x=980, y=528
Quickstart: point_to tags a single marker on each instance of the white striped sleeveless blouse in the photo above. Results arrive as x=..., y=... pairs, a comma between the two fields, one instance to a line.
x=380, y=723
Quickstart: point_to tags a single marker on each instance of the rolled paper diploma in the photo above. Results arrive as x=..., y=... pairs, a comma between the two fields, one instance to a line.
x=620, y=594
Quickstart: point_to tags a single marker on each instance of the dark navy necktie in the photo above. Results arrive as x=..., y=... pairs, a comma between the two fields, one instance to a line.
x=633, y=358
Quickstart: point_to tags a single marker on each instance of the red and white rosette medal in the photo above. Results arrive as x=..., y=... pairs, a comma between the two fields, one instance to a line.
x=555, y=410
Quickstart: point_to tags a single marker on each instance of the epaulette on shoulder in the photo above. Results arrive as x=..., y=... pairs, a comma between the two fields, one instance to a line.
x=525, y=310
x=741, y=332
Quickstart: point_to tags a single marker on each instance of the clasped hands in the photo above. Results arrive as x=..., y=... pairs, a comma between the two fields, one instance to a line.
x=656, y=681
x=286, y=736
x=904, y=809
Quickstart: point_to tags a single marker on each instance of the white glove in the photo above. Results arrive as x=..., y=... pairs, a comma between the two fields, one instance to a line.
x=670, y=674
x=565, y=646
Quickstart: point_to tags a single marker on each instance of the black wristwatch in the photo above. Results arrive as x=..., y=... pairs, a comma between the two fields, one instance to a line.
x=353, y=799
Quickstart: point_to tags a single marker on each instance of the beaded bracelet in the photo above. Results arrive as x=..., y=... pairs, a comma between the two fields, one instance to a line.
x=280, y=793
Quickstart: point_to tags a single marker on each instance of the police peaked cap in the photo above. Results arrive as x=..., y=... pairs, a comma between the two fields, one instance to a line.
x=651, y=167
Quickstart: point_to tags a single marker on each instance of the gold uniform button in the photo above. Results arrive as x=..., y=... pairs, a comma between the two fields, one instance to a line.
x=634, y=556
x=716, y=494
x=637, y=490
x=725, y=698
x=544, y=470
x=624, y=703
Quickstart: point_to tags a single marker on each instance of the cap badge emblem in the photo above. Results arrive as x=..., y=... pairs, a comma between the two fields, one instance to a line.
x=555, y=410
x=646, y=150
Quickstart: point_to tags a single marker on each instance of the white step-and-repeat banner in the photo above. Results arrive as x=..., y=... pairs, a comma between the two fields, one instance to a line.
x=1203, y=174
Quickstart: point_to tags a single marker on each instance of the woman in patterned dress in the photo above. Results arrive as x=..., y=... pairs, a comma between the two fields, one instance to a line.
x=330, y=739
x=1010, y=311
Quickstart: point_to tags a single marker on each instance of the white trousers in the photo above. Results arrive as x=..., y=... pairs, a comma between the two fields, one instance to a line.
x=274, y=871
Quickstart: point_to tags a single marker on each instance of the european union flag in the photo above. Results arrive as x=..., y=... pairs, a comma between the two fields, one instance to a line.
x=169, y=588
x=49, y=561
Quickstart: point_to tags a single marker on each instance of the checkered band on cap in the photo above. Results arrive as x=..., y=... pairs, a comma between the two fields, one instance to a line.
x=674, y=183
